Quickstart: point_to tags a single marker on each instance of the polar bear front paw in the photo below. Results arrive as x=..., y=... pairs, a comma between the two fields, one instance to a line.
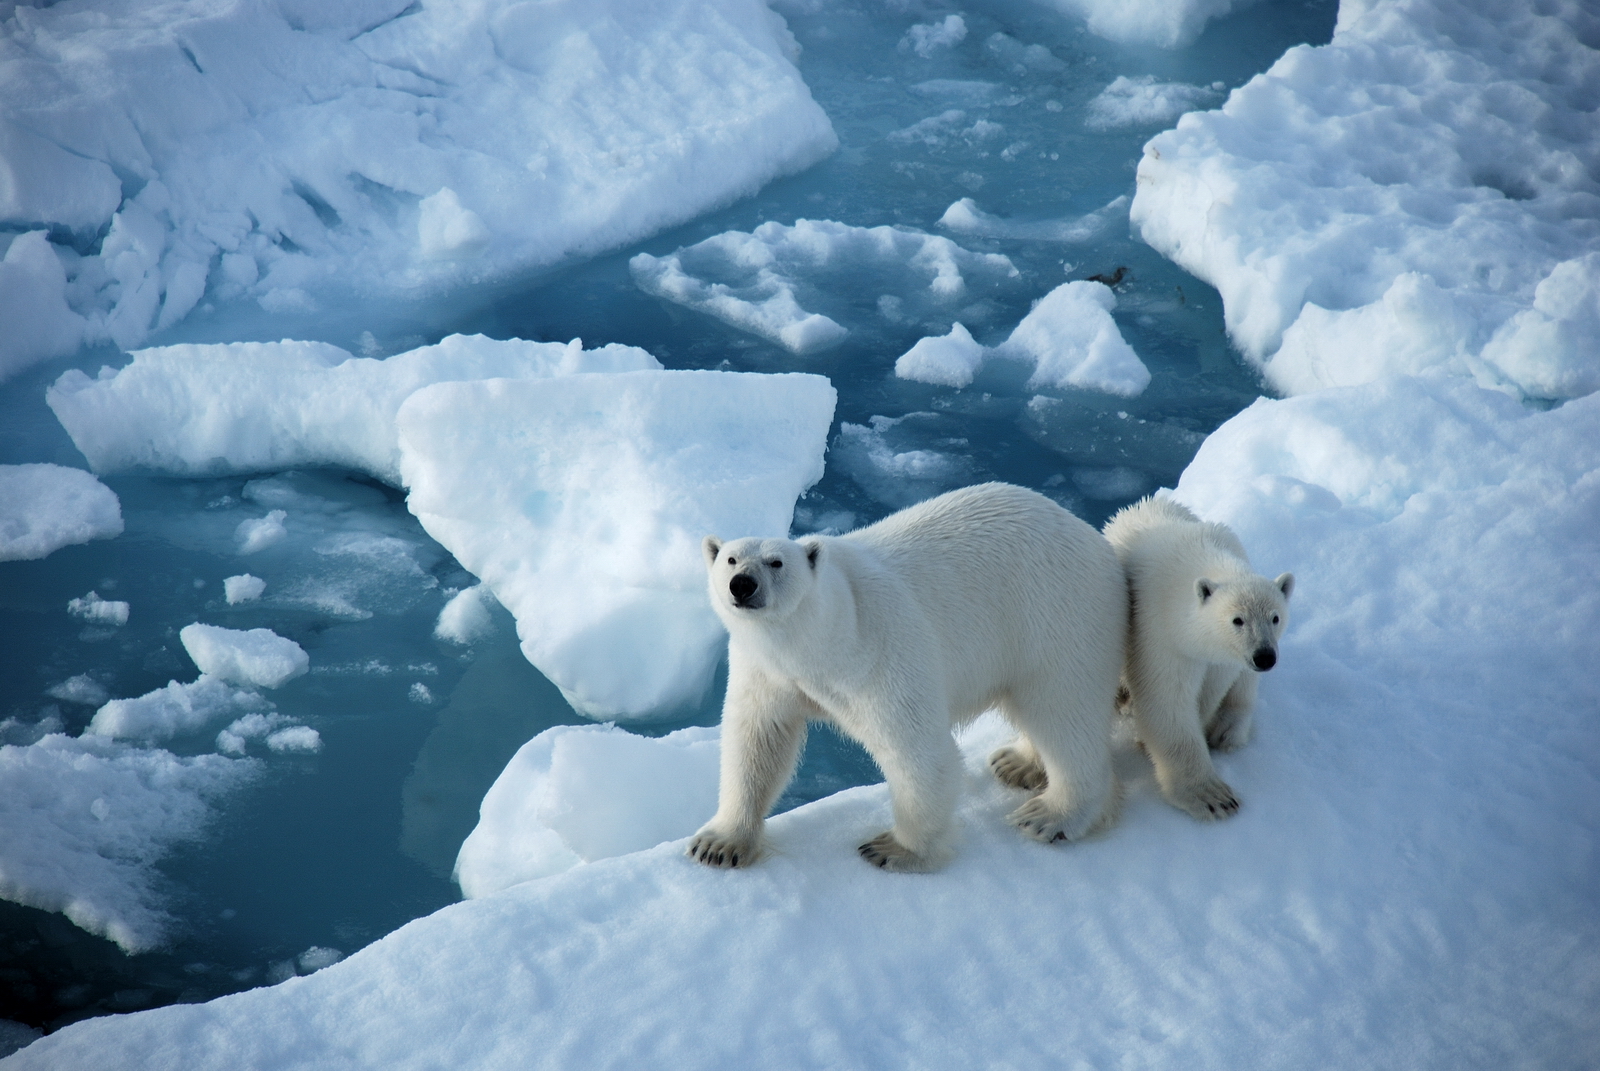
x=1011, y=766
x=1208, y=800
x=887, y=853
x=720, y=850
x=1042, y=822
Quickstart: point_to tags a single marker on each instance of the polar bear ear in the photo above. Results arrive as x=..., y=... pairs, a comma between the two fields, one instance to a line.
x=813, y=551
x=1285, y=584
x=711, y=546
x=1204, y=589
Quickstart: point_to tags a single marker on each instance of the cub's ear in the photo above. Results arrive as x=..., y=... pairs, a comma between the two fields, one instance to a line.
x=813, y=551
x=1204, y=589
x=711, y=546
x=1285, y=584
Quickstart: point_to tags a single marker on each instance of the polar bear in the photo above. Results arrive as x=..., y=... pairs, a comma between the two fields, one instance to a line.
x=990, y=596
x=1202, y=624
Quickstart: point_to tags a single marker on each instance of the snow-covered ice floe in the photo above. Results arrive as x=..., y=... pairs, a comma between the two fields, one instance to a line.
x=575, y=794
x=1163, y=23
x=754, y=281
x=581, y=502
x=291, y=152
x=46, y=507
x=256, y=657
x=1414, y=195
x=85, y=817
x=965, y=217
x=265, y=406
x=1069, y=337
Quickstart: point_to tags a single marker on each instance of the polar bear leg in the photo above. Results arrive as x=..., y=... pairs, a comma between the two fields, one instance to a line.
x=1069, y=729
x=763, y=729
x=923, y=769
x=1234, y=722
x=1166, y=715
x=1018, y=765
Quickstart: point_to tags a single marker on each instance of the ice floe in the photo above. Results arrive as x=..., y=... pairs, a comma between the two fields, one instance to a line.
x=46, y=507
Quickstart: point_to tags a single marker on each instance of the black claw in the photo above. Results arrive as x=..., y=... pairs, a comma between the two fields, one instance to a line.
x=733, y=860
x=1058, y=836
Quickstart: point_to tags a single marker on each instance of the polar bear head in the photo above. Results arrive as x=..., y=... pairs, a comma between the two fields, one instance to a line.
x=1244, y=617
x=755, y=576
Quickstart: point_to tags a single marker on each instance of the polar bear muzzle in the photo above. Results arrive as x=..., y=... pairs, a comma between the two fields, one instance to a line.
x=1264, y=659
x=746, y=592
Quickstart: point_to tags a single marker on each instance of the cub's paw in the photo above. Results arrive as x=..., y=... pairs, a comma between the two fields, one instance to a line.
x=887, y=853
x=1044, y=822
x=717, y=849
x=1012, y=766
x=1208, y=800
x=1228, y=734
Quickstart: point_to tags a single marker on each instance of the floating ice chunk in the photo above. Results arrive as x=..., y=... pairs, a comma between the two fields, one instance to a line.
x=82, y=689
x=317, y=957
x=33, y=302
x=950, y=360
x=376, y=154
x=174, y=709
x=881, y=457
x=581, y=502
x=766, y=269
x=965, y=217
x=46, y=507
x=938, y=130
x=1164, y=23
x=86, y=818
x=1073, y=342
x=232, y=740
x=1144, y=101
x=574, y=794
x=927, y=38
x=1405, y=190
x=97, y=611
x=252, y=406
x=295, y=738
x=259, y=533
x=420, y=693
x=258, y=657
x=465, y=618
x=243, y=588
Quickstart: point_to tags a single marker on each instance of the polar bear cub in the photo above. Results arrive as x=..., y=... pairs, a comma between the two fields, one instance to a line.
x=990, y=596
x=1202, y=624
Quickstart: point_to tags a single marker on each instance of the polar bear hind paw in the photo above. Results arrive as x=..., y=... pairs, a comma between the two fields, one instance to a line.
x=1012, y=767
x=1039, y=820
x=713, y=849
x=1208, y=801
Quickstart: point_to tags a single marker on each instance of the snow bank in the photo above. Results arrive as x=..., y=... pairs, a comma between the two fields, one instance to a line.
x=581, y=502
x=1412, y=196
x=575, y=794
x=46, y=507
x=754, y=281
x=292, y=153
x=1069, y=337
x=257, y=657
x=1408, y=875
x=85, y=818
x=260, y=406
x=1164, y=23
x=173, y=709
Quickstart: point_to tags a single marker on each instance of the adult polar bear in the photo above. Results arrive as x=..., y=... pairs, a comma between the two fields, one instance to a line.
x=990, y=596
x=1201, y=626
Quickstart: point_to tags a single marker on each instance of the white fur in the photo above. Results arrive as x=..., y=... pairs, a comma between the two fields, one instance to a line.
x=990, y=596
x=1201, y=625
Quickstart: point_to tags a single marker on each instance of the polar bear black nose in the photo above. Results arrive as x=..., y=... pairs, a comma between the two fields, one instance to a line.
x=742, y=587
x=1264, y=658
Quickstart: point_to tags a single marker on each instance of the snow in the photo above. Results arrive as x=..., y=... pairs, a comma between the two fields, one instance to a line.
x=261, y=406
x=47, y=507
x=1069, y=337
x=1163, y=23
x=97, y=611
x=84, y=819
x=575, y=794
x=174, y=709
x=243, y=588
x=195, y=153
x=580, y=502
x=754, y=281
x=257, y=657
x=465, y=618
x=1411, y=197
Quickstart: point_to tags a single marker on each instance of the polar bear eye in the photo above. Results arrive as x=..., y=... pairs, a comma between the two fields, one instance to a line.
x=732, y=560
x=1274, y=619
x=1238, y=622
x=776, y=563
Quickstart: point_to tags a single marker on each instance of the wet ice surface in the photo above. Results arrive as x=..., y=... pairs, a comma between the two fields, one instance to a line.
x=330, y=849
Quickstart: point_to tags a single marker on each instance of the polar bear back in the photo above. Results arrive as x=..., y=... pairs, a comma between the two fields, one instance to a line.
x=1010, y=584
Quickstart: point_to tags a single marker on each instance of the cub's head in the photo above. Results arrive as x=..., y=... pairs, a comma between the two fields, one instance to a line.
x=759, y=577
x=1246, y=617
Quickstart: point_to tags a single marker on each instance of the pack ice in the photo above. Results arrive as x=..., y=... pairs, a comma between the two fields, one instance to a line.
x=580, y=501
x=291, y=152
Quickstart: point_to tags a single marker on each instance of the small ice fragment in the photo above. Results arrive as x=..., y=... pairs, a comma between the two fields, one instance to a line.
x=317, y=957
x=465, y=618
x=82, y=689
x=419, y=693
x=261, y=533
x=258, y=657
x=243, y=588
x=98, y=611
x=295, y=738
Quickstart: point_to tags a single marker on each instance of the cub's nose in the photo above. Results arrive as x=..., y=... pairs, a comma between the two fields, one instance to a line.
x=742, y=587
x=1264, y=658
